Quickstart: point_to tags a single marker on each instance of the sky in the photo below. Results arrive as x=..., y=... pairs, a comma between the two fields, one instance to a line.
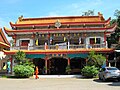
x=10, y=10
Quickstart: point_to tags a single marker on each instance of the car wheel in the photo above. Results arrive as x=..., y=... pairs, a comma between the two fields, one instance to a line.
x=99, y=77
x=104, y=79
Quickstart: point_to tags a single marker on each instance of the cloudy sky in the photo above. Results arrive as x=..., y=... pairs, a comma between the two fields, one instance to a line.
x=10, y=10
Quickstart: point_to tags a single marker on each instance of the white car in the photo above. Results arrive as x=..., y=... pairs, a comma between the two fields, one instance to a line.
x=109, y=73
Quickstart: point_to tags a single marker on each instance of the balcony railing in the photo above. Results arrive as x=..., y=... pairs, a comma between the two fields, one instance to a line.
x=58, y=47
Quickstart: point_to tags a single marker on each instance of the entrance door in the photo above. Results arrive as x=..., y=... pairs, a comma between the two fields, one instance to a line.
x=58, y=66
x=76, y=65
x=40, y=63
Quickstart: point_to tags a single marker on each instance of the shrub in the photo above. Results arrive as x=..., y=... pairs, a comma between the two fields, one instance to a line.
x=89, y=71
x=96, y=59
x=22, y=71
x=68, y=69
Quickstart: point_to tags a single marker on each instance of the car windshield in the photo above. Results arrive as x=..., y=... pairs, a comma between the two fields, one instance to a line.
x=112, y=68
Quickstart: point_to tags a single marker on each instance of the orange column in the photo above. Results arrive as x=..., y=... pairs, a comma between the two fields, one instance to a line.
x=68, y=61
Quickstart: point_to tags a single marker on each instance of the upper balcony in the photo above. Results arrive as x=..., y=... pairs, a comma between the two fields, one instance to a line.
x=59, y=47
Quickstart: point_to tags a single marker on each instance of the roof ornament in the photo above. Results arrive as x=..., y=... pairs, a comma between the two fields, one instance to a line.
x=20, y=18
x=57, y=24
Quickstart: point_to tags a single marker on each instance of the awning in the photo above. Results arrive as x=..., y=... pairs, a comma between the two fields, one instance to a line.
x=35, y=56
x=82, y=55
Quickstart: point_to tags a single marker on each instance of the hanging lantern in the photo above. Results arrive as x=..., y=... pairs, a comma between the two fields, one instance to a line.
x=74, y=34
x=48, y=35
x=62, y=34
x=42, y=35
x=33, y=36
x=57, y=34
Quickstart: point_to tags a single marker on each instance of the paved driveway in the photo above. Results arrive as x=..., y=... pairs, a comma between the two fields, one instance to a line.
x=57, y=84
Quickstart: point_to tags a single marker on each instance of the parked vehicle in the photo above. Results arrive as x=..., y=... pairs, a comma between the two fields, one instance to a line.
x=109, y=73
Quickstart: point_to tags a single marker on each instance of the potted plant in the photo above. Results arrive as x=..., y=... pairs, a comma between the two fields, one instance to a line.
x=44, y=70
x=68, y=69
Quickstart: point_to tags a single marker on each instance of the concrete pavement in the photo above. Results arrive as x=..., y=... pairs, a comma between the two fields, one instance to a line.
x=57, y=84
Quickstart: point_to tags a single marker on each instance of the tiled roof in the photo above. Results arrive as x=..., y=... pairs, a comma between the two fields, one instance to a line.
x=22, y=20
x=3, y=40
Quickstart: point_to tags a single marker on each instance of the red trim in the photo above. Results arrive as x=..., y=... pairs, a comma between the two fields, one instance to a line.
x=56, y=30
x=63, y=23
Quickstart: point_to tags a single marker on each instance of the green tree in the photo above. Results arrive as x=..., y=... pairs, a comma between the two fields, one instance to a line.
x=88, y=13
x=90, y=71
x=20, y=57
x=114, y=38
x=22, y=71
x=25, y=68
x=117, y=13
x=96, y=59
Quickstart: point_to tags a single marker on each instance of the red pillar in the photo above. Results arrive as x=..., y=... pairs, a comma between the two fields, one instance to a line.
x=68, y=61
x=46, y=65
x=106, y=60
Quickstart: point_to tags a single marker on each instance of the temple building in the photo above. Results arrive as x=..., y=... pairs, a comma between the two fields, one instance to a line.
x=56, y=42
x=4, y=45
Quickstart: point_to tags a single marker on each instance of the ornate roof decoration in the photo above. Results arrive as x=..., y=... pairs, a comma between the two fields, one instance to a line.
x=57, y=24
x=3, y=40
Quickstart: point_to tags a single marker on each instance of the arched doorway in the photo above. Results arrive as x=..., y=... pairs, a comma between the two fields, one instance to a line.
x=77, y=64
x=40, y=63
x=57, y=66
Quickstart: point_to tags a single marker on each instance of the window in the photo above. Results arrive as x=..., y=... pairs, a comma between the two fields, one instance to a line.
x=25, y=42
x=94, y=40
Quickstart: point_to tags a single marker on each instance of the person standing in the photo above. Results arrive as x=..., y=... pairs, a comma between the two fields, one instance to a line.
x=8, y=67
x=36, y=73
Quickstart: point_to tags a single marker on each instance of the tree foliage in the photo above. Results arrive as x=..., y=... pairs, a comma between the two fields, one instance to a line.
x=90, y=71
x=88, y=13
x=23, y=71
x=117, y=13
x=20, y=57
x=24, y=67
x=96, y=59
x=114, y=38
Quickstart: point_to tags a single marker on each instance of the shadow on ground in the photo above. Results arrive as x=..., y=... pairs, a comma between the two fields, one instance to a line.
x=110, y=82
x=114, y=84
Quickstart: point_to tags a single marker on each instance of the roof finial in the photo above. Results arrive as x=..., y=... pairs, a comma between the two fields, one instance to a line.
x=99, y=14
x=20, y=18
